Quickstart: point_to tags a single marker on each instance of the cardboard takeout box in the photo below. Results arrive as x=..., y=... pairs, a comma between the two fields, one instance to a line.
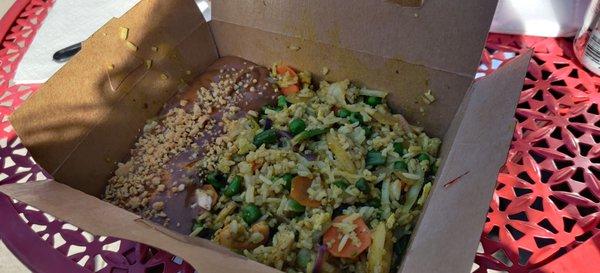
x=80, y=122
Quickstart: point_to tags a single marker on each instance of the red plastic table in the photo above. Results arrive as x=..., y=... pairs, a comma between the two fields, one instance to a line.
x=544, y=216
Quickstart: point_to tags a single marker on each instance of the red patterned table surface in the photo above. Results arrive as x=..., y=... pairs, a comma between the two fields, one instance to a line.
x=546, y=202
x=547, y=198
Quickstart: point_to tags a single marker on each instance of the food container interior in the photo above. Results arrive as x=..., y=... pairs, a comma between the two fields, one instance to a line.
x=88, y=115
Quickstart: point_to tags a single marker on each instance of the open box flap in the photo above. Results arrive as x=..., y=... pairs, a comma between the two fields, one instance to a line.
x=444, y=35
x=88, y=115
x=446, y=234
x=101, y=218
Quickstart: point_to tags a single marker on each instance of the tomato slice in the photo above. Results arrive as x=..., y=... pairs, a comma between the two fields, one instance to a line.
x=299, y=192
x=333, y=236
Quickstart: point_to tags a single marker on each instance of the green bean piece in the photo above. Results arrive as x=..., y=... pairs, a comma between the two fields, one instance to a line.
x=294, y=206
x=399, y=148
x=342, y=184
x=374, y=158
x=362, y=185
x=308, y=134
x=355, y=117
x=400, y=166
x=343, y=113
x=216, y=180
x=288, y=180
x=265, y=137
x=234, y=187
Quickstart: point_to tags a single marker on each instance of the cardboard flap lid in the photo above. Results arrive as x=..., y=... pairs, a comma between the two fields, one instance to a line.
x=101, y=218
x=444, y=35
x=107, y=91
x=446, y=236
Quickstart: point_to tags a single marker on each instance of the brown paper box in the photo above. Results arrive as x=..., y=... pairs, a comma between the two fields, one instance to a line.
x=87, y=116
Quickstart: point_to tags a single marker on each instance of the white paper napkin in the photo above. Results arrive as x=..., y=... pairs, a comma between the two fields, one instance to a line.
x=67, y=23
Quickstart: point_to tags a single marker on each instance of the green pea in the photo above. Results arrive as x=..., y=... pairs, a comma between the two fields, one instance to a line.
x=374, y=158
x=376, y=203
x=373, y=101
x=265, y=137
x=216, y=180
x=294, y=206
x=342, y=184
x=399, y=148
x=282, y=102
x=401, y=166
x=308, y=134
x=355, y=117
x=288, y=180
x=250, y=214
x=362, y=185
x=424, y=157
x=234, y=187
x=343, y=113
x=297, y=126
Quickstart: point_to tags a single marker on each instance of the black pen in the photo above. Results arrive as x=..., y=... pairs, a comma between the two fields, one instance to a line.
x=66, y=53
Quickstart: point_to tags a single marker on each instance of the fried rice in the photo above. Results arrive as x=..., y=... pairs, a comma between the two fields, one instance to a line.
x=327, y=180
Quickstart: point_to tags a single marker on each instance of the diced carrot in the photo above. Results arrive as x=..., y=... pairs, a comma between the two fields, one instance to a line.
x=282, y=69
x=290, y=90
x=299, y=192
x=256, y=166
x=333, y=236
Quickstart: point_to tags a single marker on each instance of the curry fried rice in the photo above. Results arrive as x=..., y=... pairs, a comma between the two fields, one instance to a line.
x=326, y=180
